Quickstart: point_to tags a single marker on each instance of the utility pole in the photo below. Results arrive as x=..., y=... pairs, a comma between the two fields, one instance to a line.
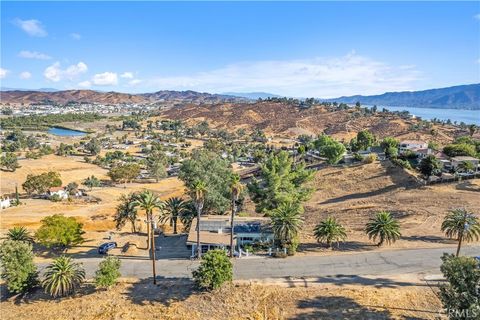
x=151, y=223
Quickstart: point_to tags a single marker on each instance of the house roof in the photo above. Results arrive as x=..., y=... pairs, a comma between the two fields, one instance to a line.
x=464, y=158
x=55, y=189
x=412, y=142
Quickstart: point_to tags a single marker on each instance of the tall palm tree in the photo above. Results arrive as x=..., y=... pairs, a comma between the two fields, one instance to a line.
x=188, y=214
x=384, y=227
x=286, y=222
x=330, y=231
x=19, y=234
x=198, y=196
x=236, y=188
x=461, y=224
x=62, y=277
x=174, y=207
x=148, y=202
x=126, y=211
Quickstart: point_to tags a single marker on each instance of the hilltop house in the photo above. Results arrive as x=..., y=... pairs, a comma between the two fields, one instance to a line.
x=420, y=148
x=457, y=162
x=59, y=191
x=215, y=232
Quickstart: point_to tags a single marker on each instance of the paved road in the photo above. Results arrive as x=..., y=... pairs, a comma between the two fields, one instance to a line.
x=367, y=263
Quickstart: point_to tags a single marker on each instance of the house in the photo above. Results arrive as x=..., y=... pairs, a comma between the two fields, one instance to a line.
x=58, y=191
x=5, y=203
x=458, y=161
x=412, y=145
x=215, y=232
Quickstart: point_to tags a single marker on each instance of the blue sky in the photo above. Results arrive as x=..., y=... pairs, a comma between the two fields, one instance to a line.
x=321, y=49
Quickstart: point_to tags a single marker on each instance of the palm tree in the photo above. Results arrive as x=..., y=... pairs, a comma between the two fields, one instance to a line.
x=384, y=227
x=148, y=202
x=19, y=234
x=198, y=196
x=236, y=188
x=62, y=277
x=330, y=231
x=461, y=224
x=286, y=222
x=126, y=211
x=174, y=207
x=188, y=214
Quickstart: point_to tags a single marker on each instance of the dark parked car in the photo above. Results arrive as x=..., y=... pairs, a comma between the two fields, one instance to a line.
x=103, y=249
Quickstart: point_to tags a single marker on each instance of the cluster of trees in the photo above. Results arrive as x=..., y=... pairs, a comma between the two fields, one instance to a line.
x=43, y=122
x=329, y=148
x=463, y=146
x=39, y=184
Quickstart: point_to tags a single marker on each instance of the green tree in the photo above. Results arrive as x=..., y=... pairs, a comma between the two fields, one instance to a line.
x=174, y=209
x=467, y=166
x=19, y=234
x=188, y=214
x=93, y=146
x=92, y=182
x=460, y=149
x=126, y=211
x=148, y=202
x=108, y=272
x=460, y=295
x=286, y=223
x=215, y=269
x=41, y=183
x=157, y=165
x=215, y=172
x=17, y=267
x=63, y=277
x=329, y=148
x=65, y=149
x=280, y=182
x=429, y=165
x=462, y=225
x=59, y=231
x=390, y=146
x=384, y=227
x=236, y=188
x=363, y=141
x=124, y=173
x=472, y=129
x=9, y=161
x=330, y=231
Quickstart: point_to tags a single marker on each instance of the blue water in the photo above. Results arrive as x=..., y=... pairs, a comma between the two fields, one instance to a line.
x=65, y=132
x=459, y=115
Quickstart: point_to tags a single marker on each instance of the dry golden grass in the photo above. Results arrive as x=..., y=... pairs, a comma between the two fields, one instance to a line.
x=179, y=300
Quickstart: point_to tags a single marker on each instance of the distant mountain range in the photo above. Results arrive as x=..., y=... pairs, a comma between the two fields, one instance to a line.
x=457, y=97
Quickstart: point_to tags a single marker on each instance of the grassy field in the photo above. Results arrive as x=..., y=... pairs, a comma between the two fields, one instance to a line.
x=178, y=299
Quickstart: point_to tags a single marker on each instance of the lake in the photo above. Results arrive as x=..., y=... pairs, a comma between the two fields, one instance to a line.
x=65, y=132
x=459, y=115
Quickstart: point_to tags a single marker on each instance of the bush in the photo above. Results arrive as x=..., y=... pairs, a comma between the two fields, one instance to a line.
x=215, y=269
x=18, y=270
x=108, y=272
x=401, y=163
x=59, y=231
x=279, y=254
x=55, y=198
x=460, y=295
x=372, y=157
x=62, y=277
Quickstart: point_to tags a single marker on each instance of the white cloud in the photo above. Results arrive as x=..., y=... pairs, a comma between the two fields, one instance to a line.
x=127, y=75
x=33, y=55
x=32, y=27
x=105, y=79
x=75, y=36
x=135, y=82
x=85, y=84
x=55, y=73
x=3, y=73
x=25, y=75
x=318, y=77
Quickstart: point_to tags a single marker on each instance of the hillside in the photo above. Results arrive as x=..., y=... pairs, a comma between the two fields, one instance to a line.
x=91, y=96
x=457, y=97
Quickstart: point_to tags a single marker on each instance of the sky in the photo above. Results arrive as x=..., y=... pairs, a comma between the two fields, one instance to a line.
x=307, y=49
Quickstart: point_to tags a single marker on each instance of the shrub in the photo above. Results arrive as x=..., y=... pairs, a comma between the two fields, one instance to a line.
x=372, y=157
x=59, y=231
x=460, y=295
x=214, y=270
x=18, y=270
x=55, y=198
x=108, y=272
x=401, y=163
x=460, y=149
x=19, y=234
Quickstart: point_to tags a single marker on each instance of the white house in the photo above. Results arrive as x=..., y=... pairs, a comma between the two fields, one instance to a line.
x=5, y=203
x=412, y=145
x=458, y=161
x=59, y=191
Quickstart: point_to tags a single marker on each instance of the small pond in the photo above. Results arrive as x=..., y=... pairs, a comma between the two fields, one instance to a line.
x=65, y=132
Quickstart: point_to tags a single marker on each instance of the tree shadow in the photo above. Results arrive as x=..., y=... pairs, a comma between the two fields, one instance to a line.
x=432, y=239
x=343, y=280
x=338, y=307
x=166, y=291
x=467, y=186
x=361, y=195
x=347, y=246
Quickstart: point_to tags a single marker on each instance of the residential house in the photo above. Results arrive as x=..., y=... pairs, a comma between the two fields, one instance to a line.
x=59, y=191
x=458, y=161
x=215, y=232
x=5, y=203
x=412, y=145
